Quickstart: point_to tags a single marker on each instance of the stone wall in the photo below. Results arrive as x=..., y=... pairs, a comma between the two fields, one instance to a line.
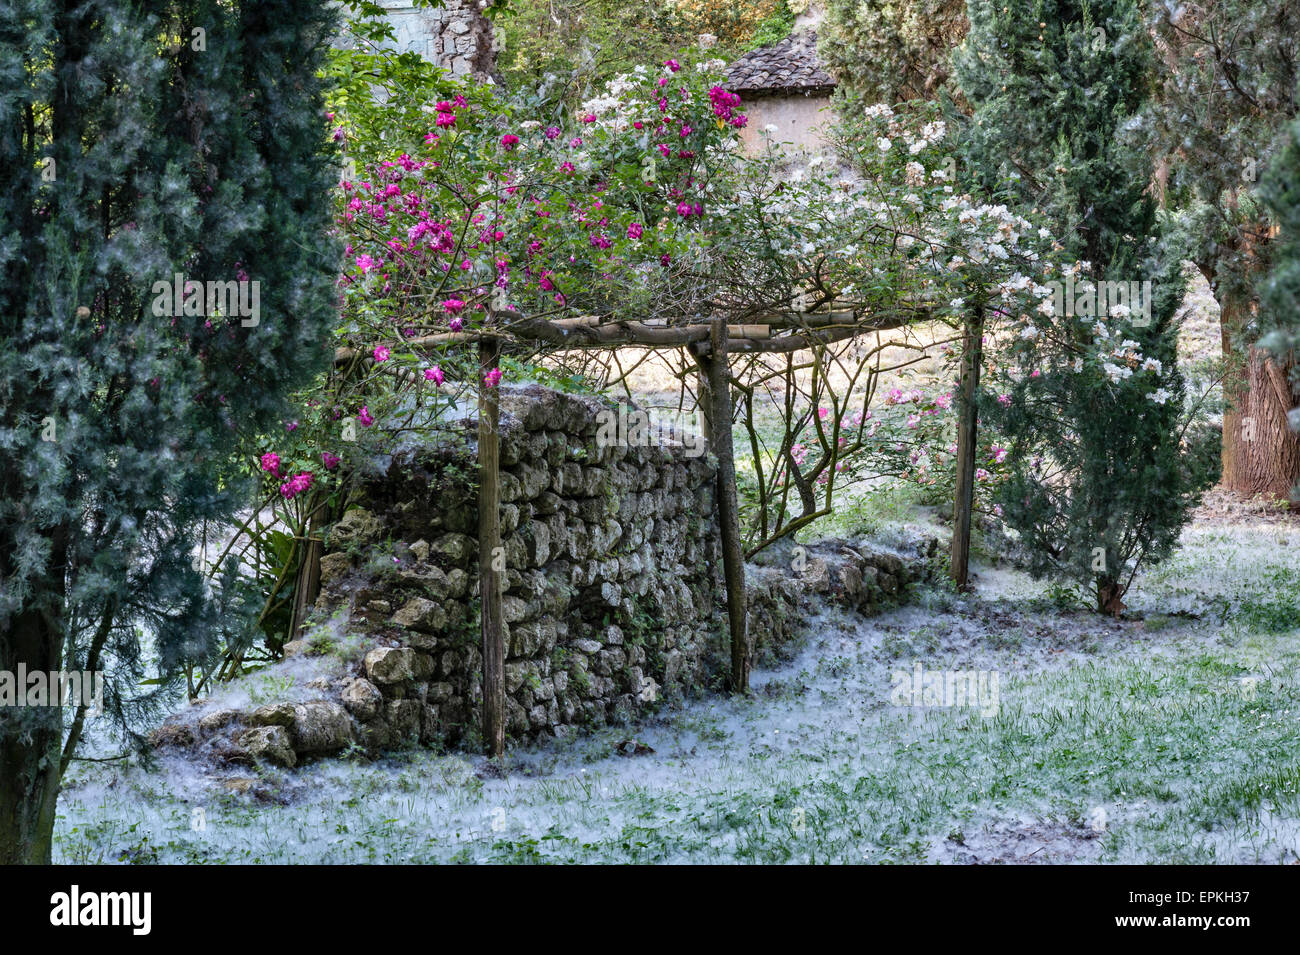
x=454, y=35
x=610, y=573
x=613, y=595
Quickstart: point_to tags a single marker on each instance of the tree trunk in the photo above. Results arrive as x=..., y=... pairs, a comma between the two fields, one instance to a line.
x=717, y=381
x=967, y=415
x=490, y=554
x=1261, y=454
x=307, y=587
x=1110, y=598
x=31, y=737
x=29, y=754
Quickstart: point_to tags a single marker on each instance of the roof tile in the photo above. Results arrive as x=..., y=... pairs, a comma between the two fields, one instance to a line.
x=790, y=65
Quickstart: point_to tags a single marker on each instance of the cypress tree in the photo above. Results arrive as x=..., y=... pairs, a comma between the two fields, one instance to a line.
x=1280, y=291
x=141, y=142
x=1099, y=480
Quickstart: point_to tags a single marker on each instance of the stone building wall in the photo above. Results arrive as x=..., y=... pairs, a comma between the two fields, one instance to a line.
x=801, y=122
x=454, y=35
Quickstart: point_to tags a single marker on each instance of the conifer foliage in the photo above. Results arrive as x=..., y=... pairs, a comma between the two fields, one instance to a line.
x=1093, y=402
x=153, y=155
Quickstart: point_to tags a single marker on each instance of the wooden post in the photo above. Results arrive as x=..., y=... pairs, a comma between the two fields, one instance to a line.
x=717, y=381
x=491, y=559
x=307, y=587
x=967, y=413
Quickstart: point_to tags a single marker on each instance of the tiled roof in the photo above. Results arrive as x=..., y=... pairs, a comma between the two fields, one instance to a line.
x=790, y=66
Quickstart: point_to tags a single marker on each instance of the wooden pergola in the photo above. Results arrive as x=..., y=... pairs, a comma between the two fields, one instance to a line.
x=710, y=343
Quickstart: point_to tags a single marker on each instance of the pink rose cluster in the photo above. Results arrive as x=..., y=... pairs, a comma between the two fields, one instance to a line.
x=725, y=103
x=296, y=485
x=271, y=463
x=447, y=111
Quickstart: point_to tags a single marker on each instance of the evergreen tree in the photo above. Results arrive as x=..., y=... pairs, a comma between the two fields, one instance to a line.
x=1226, y=92
x=141, y=141
x=1099, y=480
x=1280, y=292
x=888, y=51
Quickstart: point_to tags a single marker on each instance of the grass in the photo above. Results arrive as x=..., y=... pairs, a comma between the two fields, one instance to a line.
x=1174, y=737
x=1116, y=746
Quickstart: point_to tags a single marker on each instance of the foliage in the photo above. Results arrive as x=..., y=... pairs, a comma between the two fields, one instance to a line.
x=1280, y=293
x=775, y=28
x=887, y=51
x=140, y=157
x=1092, y=399
x=1225, y=91
x=585, y=44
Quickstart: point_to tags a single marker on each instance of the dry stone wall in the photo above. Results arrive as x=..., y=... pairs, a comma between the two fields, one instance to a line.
x=613, y=591
x=610, y=574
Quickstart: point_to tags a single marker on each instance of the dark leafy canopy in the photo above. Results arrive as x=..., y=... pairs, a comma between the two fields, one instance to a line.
x=1226, y=91
x=1100, y=481
x=1280, y=294
x=139, y=141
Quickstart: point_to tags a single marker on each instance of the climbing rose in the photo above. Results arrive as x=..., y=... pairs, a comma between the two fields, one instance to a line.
x=673, y=65
x=331, y=461
x=296, y=485
x=381, y=353
x=509, y=141
x=434, y=374
x=492, y=378
x=634, y=230
x=364, y=417
x=453, y=306
x=271, y=463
